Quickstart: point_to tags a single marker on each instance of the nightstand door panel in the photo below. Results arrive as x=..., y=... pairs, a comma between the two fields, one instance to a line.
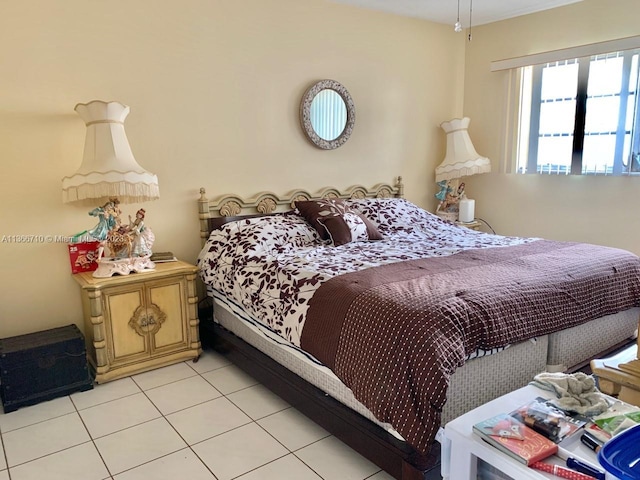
x=125, y=306
x=165, y=299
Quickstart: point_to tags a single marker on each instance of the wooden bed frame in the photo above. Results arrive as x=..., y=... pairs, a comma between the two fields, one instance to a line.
x=367, y=438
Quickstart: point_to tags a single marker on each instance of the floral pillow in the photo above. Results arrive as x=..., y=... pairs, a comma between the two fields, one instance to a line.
x=335, y=221
x=262, y=236
x=394, y=214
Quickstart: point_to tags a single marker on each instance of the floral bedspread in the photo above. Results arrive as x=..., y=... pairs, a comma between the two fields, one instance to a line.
x=272, y=266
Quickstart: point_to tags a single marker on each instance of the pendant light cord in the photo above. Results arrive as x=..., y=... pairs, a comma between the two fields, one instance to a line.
x=470, y=13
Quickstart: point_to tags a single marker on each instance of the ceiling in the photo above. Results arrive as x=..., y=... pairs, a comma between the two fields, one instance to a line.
x=445, y=11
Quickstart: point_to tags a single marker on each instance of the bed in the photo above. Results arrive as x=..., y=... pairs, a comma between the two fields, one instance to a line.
x=433, y=319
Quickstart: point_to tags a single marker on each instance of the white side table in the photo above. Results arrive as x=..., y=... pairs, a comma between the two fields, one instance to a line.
x=466, y=447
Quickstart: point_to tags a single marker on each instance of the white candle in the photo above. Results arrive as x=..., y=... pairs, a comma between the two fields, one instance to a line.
x=466, y=212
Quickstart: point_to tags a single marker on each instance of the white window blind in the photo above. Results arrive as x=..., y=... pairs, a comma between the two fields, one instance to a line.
x=627, y=43
x=574, y=111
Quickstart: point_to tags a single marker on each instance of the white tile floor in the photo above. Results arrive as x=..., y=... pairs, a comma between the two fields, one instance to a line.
x=202, y=421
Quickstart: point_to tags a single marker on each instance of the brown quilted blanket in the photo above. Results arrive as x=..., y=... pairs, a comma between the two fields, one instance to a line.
x=395, y=334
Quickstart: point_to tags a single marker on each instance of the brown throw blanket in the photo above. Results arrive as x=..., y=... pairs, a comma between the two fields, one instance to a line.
x=395, y=334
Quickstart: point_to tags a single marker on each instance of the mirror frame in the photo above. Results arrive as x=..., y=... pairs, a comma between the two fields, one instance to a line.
x=305, y=114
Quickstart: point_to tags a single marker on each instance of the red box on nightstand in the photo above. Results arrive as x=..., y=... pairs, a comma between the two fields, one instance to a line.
x=83, y=256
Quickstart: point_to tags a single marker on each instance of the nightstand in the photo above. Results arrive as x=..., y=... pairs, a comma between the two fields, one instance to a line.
x=475, y=225
x=140, y=321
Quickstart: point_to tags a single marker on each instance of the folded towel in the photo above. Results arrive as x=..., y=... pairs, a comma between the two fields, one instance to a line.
x=575, y=392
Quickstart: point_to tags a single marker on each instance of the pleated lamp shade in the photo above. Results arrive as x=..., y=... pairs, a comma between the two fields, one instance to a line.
x=108, y=168
x=461, y=159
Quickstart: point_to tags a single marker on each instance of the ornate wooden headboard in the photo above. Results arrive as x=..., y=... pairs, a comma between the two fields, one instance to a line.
x=213, y=213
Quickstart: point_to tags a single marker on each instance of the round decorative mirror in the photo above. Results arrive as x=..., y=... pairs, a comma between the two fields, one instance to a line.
x=327, y=113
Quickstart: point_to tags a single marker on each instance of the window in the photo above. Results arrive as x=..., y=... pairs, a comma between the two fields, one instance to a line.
x=580, y=116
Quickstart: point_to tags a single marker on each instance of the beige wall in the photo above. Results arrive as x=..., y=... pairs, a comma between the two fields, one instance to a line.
x=214, y=88
x=595, y=210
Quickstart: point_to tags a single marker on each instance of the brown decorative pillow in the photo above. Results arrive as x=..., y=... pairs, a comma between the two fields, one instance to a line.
x=334, y=220
x=344, y=229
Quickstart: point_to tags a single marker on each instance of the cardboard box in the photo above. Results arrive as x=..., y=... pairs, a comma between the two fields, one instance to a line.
x=83, y=256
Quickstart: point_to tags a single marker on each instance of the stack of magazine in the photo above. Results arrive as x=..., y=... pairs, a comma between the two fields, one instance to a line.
x=530, y=433
x=161, y=257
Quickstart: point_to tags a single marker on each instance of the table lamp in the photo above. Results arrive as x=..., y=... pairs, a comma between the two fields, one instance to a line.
x=108, y=176
x=460, y=160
